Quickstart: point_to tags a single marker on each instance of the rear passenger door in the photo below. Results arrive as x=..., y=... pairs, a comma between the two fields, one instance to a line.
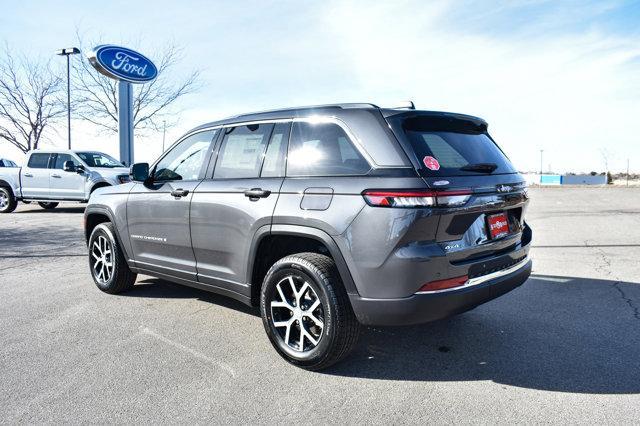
x=35, y=176
x=236, y=200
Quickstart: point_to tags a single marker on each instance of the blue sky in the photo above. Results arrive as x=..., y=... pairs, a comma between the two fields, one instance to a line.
x=563, y=76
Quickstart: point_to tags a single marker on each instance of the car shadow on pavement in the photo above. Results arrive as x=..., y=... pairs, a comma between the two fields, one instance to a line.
x=42, y=240
x=562, y=334
x=156, y=288
x=57, y=210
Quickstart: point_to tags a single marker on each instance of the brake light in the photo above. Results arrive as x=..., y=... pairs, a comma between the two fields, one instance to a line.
x=444, y=284
x=416, y=198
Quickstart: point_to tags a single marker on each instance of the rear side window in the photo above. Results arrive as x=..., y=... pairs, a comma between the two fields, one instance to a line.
x=242, y=151
x=323, y=149
x=38, y=161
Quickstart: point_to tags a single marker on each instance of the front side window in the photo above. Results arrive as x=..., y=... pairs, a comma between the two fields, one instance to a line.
x=98, y=159
x=184, y=161
x=62, y=158
x=241, y=152
x=323, y=149
x=38, y=161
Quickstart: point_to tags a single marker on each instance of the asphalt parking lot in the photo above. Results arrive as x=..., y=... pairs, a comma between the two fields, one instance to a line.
x=564, y=348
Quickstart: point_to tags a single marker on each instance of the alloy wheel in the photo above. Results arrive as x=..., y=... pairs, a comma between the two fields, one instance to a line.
x=297, y=313
x=4, y=200
x=102, y=259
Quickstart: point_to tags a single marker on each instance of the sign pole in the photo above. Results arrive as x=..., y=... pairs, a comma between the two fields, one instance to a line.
x=127, y=66
x=125, y=121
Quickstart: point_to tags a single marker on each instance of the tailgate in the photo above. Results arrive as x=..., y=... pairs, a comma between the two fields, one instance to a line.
x=453, y=152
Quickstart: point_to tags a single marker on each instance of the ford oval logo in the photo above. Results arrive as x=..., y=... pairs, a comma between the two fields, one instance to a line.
x=121, y=63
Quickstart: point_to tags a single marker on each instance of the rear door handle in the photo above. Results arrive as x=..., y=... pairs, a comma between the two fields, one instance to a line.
x=179, y=193
x=255, y=193
x=28, y=175
x=56, y=176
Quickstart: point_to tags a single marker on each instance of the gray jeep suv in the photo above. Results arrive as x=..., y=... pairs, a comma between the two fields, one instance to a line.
x=325, y=217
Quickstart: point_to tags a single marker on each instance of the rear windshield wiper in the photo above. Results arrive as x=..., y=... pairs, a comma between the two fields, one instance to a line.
x=480, y=167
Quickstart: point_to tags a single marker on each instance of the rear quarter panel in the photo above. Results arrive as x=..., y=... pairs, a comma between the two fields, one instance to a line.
x=10, y=176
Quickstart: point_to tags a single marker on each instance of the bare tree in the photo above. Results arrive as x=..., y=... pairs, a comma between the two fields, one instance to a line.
x=606, y=157
x=96, y=96
x=29, y=99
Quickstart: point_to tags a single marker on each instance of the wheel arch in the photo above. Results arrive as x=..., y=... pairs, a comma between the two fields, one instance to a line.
x=8, y=184
x=270, y=245
x=99, y=184
x=95, y=215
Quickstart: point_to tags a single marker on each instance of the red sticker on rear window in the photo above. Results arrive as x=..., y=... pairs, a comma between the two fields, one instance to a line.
x=431, y=163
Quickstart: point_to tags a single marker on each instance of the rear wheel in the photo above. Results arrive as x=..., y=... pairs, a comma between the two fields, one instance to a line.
x=48, y=206
x=108, y=266
x=306, y=312
x=8, y=202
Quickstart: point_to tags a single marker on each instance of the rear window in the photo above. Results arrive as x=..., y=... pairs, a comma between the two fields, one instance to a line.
x=450, y=147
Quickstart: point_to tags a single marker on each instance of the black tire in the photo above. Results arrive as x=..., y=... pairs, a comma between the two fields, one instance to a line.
x=8, y=202
x=340, y=329
x=97, y=186
x=48, y=206
x=119, y=278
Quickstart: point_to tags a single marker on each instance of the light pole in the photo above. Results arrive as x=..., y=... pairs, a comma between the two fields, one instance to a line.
x=627, y=172
x=541, y=151
x=164, y=130
x=68, y=51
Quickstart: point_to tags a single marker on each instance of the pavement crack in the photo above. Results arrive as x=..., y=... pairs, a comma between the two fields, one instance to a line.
x=627, y=299
x=197, y=311
x=607, y=270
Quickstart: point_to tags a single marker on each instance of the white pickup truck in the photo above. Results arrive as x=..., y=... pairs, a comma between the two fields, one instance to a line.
x=51, y=176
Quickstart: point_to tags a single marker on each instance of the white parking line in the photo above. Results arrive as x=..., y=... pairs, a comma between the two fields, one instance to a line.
x=552, y=279
x=199, y=355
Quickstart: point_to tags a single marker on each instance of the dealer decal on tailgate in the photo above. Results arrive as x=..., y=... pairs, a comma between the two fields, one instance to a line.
x=498, y=225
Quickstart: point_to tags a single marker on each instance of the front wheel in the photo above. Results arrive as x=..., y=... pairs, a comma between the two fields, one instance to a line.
x=48, y=206
x=108, y=266
x=306, y=311
x=8, y=203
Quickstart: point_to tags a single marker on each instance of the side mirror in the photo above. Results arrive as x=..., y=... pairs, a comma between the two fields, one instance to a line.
x=139, y=172
x=80, y=168
x=69, y=166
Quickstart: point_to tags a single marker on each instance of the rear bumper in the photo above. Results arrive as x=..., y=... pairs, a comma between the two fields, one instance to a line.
x=426, y=307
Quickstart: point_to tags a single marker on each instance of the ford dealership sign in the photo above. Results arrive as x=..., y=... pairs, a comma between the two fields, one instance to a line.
x=123, y=64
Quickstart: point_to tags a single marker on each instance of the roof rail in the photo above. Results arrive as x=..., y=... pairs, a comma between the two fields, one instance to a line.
x=343, y=106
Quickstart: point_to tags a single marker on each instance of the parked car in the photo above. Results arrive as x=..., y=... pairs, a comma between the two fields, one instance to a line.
x=7, y=163
x=49, y=177
x=326, y=218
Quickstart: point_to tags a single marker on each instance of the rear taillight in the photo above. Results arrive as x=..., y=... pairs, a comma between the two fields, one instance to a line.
x=444, y=284
x=416, y=198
